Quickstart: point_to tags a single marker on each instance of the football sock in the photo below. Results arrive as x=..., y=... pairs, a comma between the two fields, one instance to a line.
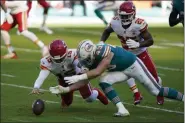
x=33, y=38
x=6, y=38
x=171, y=93
x=110, y=92
x=132, y=85
x=98, y=13
x=44, y=20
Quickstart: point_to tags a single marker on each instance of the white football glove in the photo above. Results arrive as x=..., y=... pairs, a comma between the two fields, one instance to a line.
x=75, y=78
x=132, y=44
x=59, y=89
x=9, y=18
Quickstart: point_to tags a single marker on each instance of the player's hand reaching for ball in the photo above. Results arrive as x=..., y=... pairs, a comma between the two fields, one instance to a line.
x=36, y=91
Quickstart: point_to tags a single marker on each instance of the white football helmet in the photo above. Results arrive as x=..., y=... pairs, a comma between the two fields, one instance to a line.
x=86, y=52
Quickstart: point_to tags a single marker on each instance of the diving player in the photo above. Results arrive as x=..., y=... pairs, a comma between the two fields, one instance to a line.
x=120, y=65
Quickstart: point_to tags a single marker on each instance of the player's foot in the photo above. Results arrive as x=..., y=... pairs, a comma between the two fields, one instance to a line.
x=12, y=55
x=45, y=51
x=160, y=100
x=102, y=97
x=121, y=113
x=137, y=98
x=46, y=29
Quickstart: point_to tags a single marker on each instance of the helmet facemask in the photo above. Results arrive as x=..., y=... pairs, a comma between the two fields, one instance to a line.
x=126, y=18
x=58, y=59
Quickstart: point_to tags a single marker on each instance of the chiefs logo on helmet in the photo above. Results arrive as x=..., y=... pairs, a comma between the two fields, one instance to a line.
x=58, y=50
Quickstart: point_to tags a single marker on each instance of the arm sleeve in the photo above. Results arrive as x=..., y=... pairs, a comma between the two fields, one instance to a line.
x=42, y=76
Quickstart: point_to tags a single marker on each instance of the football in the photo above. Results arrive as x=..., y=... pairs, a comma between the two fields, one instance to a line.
x=38, y=107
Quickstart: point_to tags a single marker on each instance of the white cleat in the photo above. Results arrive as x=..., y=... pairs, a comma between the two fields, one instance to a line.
x=46, y=29
x=45, y=51
x=121, y=113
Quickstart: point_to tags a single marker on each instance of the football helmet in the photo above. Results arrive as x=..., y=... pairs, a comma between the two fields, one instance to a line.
x=86, y=52
x=127, y=12
x=58, y=51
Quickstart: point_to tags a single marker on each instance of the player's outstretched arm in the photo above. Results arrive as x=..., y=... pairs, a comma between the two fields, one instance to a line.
x=39, y=81
x=173, y=20
x=103, y=65
x=106, y=33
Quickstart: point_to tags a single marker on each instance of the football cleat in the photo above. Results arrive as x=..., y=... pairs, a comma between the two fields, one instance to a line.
x=160, y=100
x=46, y=29
x=12, y=55
x=103, y=99
x=137, y=98
x=122, y=114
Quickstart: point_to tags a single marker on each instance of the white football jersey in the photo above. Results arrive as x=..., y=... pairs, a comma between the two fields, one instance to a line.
x=16, y=6
x=67, y=68
x=133, y=32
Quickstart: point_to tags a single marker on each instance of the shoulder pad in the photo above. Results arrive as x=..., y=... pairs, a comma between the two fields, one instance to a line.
x=140, y=24
x=45, y=63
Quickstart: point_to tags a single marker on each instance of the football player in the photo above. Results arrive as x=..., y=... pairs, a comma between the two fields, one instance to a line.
x=104, y=5
x=46, y=8
x=120, y=65
x=177, y=13
x=134, y=37
x=17, y=16
x=64, y=62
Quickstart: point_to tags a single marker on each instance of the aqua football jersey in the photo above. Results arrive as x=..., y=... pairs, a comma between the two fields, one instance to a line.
x=121, y=60
x=178, y=5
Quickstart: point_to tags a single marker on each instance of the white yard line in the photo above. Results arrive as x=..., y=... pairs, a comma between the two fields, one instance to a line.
x=159, y=67
x=8, y=75
x=141, y=106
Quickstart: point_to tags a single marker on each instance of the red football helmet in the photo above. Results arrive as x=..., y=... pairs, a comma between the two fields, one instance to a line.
x=58, y=51
x=127, y=12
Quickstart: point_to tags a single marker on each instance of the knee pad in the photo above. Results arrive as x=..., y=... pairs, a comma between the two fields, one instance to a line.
x=92, y=97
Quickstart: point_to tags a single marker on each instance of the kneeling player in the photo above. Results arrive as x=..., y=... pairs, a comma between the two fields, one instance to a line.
x=63, y=62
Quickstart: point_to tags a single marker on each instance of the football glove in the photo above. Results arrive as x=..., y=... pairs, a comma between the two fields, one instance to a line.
x=59, y=89
x=132, y=44
x=75, y=78
x=36, y=91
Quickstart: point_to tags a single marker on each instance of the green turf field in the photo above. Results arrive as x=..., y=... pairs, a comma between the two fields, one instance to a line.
x=18, y=76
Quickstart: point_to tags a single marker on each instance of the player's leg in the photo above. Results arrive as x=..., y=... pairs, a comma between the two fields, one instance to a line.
x=147, y=60
x=142, y=74
x=91, y=95
x=5, y=27
x=106, y=82
x=46, y=8
x=82, y=2
x=133, y=87
x=67, y=98
x=98, y=12
x=21, y=19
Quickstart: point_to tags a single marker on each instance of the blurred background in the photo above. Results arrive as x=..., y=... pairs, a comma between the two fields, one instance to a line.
x=62, y=12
